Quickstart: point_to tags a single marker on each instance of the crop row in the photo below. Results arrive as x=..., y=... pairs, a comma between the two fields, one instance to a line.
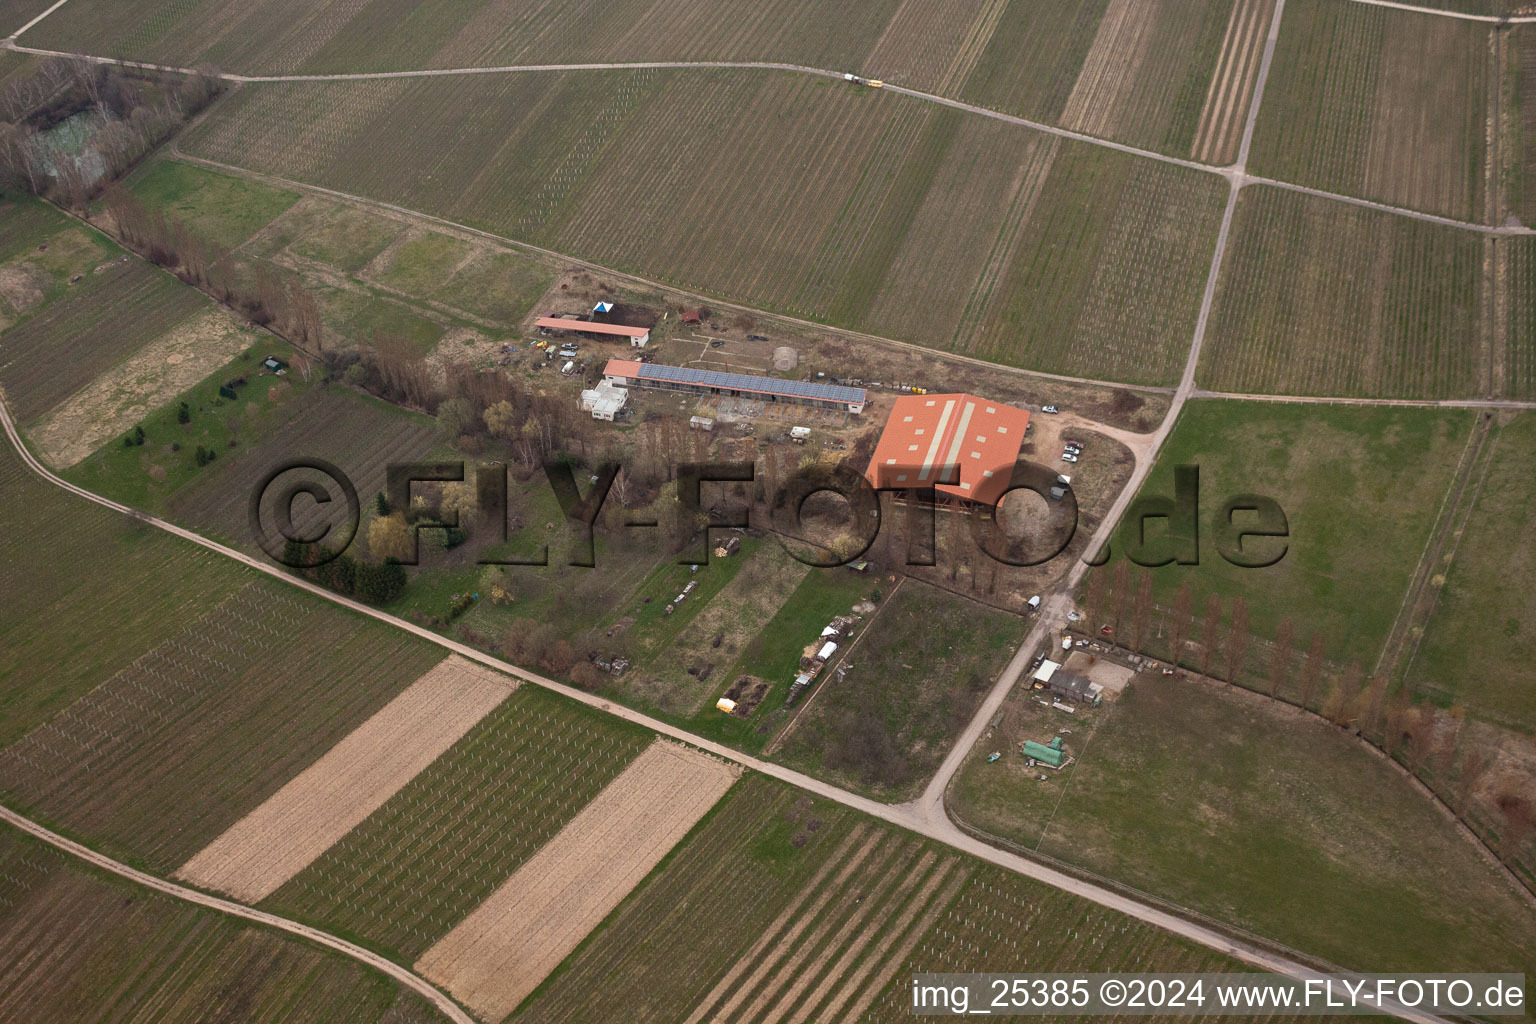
x=1378, y=103
x=173, y=749
x=361, y=437
x=1318, y=298
x=75, y=947
x=109, y=316
x=85, y=572
x=660, y=954
x=1002, y=922
x=827, y=202
x=439, y=847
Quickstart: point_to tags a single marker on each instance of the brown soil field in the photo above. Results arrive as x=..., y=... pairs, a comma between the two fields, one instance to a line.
x=350, y=781
x=121, y=397
x=1109, y=76
x=1221, y=121
x=511, y=943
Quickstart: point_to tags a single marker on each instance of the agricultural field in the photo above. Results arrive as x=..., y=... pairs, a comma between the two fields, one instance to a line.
x=147, y=475
x=1516, y=262
x=1257, y=814
x=155, y=376
x=79, y=627
x=838, y=206
x=1320, y=298
x=1379, y=103
x=1106, y=272
x=331, y=797
x=171, y=750
x=16, y=13
x=501, y=952
x=932, y=46
x=78, y=945
x=1145, y=78
x=914, y=679
x=1361, y=489
x=103, y=320
x=1219, y=132
x=839, y=911
x=391, y=884
x=1522, y=165
x=1481, y=640
x=361, y=435
x=764, y=858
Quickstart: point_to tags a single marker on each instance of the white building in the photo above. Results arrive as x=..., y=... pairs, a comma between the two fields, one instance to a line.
x=604, y=401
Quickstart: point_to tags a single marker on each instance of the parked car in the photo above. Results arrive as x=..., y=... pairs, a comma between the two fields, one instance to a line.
x=1049, y=408
x=1068, y=457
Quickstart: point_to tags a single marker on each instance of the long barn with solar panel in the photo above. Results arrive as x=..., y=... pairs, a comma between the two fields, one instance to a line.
x=629, y=373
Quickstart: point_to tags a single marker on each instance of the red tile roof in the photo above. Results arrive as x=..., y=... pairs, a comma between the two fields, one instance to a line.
x=587, y=326
x=961, y=438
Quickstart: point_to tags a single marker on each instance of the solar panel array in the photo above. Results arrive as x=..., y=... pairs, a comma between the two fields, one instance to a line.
x=747, y=382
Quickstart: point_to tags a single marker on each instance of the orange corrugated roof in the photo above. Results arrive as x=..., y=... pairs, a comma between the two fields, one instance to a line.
x=622, y=368
x=961, y=438
x=565, y=324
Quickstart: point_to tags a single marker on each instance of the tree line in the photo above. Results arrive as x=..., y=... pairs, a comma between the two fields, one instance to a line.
x=138, y=110
x=1428, y=740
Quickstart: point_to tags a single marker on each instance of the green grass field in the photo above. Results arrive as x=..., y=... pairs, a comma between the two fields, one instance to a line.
x=1384, y=104
x=1481, y=640
x=1360, y=487
x=219, y=208
x=81, y=945
x=455, y=832
x=1319, y=298
x=917, y=674
x=1242, y=808
x=839, y=205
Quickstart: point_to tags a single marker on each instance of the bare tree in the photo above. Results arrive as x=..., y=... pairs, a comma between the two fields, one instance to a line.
x=1179, y=624
x=1238, y=639
x=1142, y=611
x=1212, y=630
x=1519, y=822
x=1473, y=764
x=1122, y=593
x=1312, y=670
x=1280, y=658
x=1375, y=703
x=1347, y=689
x=1093, y=602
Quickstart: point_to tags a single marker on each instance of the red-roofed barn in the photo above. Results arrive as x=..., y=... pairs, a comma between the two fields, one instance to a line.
x=969, y=441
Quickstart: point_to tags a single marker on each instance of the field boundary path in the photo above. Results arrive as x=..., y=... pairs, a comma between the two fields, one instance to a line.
x=907, y=816
x=413, y=981
x=1236, y=173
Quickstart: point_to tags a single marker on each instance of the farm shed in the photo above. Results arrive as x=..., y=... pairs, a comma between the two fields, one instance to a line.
x=690, y=316
x=1046, y=670
x=1077, y=688
x=702, y=423
x=826, y=651
x=629, y=373
x=638, y=337
x=969, y=442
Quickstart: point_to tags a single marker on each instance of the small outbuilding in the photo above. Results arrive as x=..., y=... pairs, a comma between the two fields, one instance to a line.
x=690, y=316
